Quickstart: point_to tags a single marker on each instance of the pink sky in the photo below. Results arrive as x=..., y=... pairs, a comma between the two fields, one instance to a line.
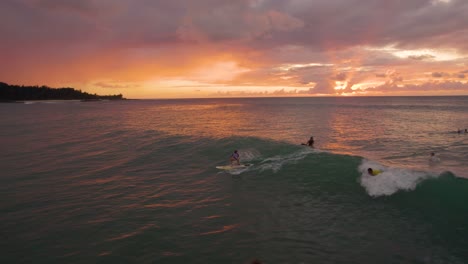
x=213, y=48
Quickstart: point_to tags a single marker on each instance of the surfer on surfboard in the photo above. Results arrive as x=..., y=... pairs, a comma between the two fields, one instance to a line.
x=235, y=157
x=373, y=172
x=309, y=143
x=434, y=158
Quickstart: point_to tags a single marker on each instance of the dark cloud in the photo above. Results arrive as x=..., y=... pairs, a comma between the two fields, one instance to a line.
x=323, y=86
x=422, y=57
x=438, y=74
x=340, y=76
x=80, y=6
x=317, y=24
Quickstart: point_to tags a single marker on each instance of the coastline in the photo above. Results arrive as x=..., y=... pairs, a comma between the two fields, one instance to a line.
x=16, y=93
x=59, y=100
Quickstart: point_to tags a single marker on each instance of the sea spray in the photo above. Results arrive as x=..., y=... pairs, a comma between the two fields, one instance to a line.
x=391, y=179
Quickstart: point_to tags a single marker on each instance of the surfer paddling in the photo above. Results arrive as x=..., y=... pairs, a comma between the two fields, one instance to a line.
x=434, y=158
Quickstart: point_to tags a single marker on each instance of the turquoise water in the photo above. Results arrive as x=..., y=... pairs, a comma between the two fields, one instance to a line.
x=135, y=181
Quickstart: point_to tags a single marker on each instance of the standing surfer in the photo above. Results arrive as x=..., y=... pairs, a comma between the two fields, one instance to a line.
x=235, y=157
x=309, y=143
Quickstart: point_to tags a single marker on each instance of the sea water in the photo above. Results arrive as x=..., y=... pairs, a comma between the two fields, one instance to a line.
x=135, y=181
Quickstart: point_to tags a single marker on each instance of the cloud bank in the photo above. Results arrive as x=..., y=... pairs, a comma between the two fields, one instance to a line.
x=323, y=47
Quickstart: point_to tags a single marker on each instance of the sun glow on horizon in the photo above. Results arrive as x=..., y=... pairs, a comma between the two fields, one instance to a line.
x=339, y=85
x=290, y=67
x=193, y=49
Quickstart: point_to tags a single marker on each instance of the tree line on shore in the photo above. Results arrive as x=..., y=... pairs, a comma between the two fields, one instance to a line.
x=20, y=93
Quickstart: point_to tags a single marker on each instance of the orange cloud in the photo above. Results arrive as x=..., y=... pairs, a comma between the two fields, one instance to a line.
x=209, y=48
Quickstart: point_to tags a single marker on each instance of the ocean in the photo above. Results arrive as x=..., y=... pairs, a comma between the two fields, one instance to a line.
x=135, y=181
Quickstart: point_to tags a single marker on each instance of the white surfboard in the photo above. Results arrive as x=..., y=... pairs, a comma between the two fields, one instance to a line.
x=233, y=167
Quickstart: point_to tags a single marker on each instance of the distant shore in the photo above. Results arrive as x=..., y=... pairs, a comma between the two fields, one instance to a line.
x=17, y=94
x=59, y=100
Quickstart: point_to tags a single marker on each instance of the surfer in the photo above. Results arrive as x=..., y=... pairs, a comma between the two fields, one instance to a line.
x=309, y=143
x=373, y=172
x=235, y=157
x=434, y=158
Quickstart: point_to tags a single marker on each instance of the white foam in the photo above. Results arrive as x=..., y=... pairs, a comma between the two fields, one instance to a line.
x=275, y=163
x=391, y=179
x=238, y=171
x=248, y=154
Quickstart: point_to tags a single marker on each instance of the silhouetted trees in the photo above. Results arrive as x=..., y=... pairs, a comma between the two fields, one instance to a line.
x=20, y=93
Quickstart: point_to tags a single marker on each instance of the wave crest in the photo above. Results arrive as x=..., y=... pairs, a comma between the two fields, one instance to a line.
x=391, y=180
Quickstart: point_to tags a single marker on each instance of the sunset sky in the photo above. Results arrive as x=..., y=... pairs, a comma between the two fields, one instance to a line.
x=222, y=48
